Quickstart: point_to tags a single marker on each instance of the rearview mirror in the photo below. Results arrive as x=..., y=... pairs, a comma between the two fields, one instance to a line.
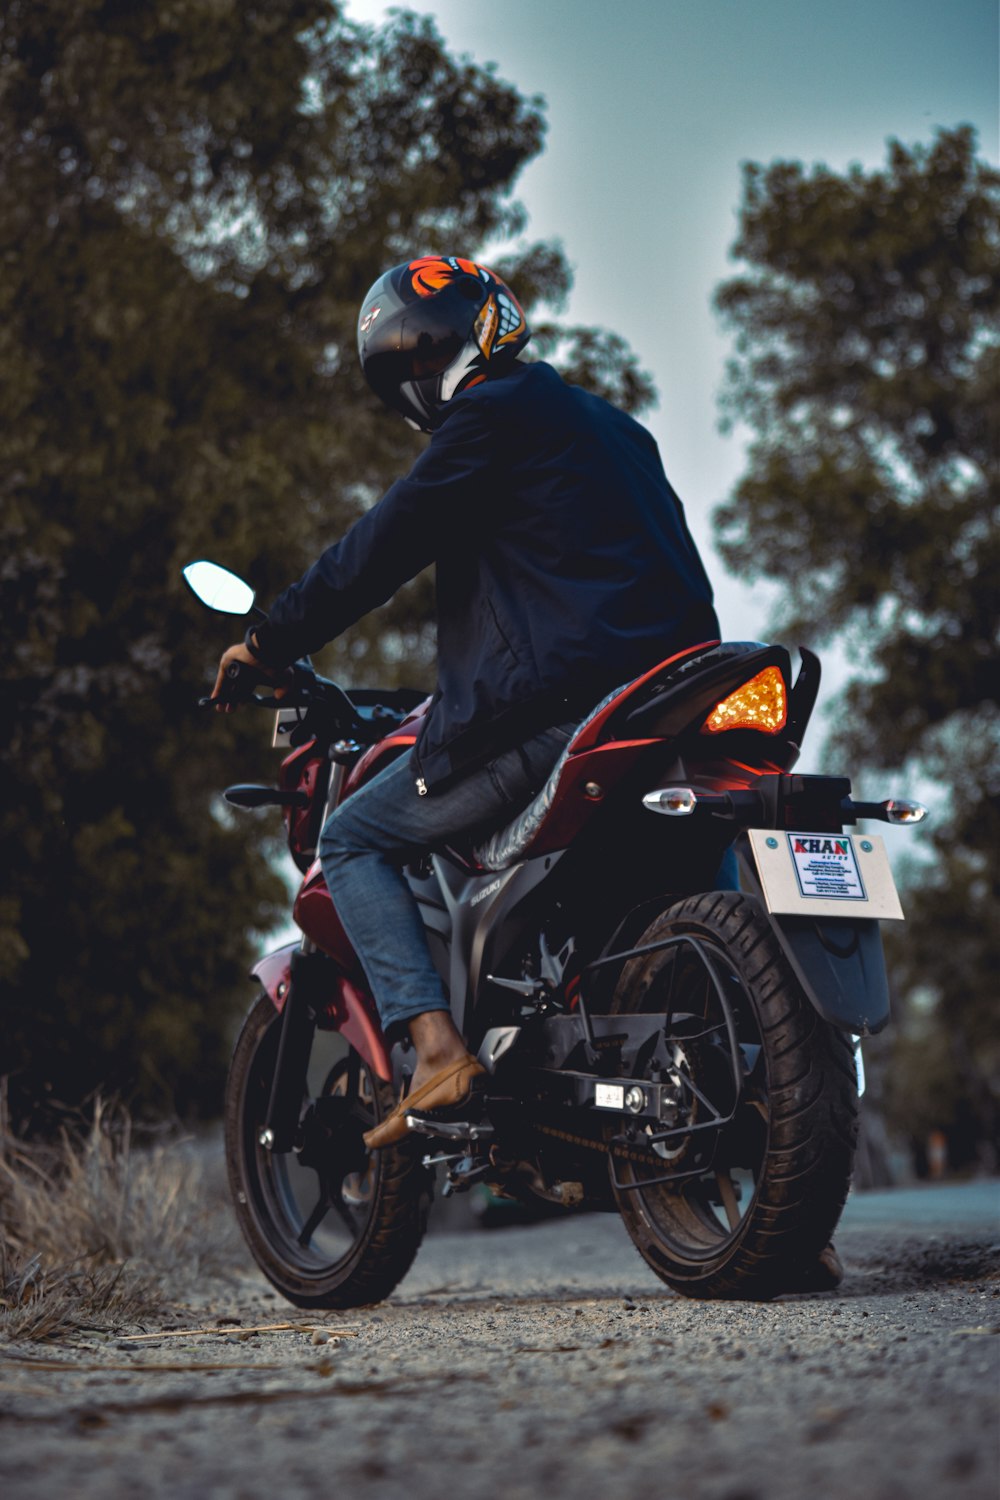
x=218, y=588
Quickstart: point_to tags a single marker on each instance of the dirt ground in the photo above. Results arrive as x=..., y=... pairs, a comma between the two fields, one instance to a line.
x=546, y=1361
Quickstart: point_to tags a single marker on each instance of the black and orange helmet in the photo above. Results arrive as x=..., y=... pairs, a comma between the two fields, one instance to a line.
x=433, y=327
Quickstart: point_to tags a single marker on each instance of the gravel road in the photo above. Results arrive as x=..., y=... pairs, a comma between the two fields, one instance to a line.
x=548, y=1361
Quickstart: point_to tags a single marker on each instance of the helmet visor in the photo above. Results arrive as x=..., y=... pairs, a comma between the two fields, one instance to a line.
x=417, y=340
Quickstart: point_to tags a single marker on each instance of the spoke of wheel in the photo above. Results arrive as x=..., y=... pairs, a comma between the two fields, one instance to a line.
x=728, y=1195
x=315, y=1219
x=340, y=1207
x=696, y=1091
x=360, y=1106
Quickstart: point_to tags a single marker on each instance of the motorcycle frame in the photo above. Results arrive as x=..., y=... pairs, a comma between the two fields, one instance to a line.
x=477, y=920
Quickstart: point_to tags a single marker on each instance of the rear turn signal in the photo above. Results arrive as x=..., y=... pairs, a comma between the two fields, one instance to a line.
x=901, y=810
x=761, y=703
x=675, y=801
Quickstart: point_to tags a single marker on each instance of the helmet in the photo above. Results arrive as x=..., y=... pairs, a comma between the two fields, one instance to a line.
x=433, y=327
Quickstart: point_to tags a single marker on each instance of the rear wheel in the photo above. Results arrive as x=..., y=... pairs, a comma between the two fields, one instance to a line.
x=330, y=1224
x=740, y=1197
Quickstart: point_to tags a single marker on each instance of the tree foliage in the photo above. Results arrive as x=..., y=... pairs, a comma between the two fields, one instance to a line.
x=194, y=196
x=867, y=366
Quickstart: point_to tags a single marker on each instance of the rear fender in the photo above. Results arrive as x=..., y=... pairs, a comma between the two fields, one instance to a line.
x=349, y=1009
x=840, y=965
x=837, y=960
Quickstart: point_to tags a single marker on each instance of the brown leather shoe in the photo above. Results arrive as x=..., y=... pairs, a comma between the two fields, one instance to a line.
x=451, y=1086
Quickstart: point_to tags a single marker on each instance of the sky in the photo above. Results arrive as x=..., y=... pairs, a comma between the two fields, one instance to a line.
x=652, y=105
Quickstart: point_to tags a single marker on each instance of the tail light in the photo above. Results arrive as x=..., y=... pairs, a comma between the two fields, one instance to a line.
x=761, y=704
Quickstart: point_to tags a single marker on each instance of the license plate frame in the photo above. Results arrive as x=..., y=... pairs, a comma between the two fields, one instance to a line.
x=825, y=874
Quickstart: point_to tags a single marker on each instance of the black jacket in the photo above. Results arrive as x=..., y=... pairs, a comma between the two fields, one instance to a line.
x=564, y=565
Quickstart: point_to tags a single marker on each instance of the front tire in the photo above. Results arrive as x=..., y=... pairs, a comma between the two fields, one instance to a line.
x=329, y=1224
x=742, y=1209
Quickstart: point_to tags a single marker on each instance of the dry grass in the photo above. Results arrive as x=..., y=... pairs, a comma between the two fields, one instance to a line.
x=94, y=1229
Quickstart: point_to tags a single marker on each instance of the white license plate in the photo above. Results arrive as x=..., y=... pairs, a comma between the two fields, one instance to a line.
x=609, y=1096
x=825, y=874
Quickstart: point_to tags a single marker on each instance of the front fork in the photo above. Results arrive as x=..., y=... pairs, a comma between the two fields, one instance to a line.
x=303, y=1006
x=308, y=994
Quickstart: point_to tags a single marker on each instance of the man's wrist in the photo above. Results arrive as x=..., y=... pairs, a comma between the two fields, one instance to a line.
x=253, y=645
x=257, y=641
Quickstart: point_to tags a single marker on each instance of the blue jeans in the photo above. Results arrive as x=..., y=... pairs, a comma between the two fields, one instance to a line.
x=386, y=824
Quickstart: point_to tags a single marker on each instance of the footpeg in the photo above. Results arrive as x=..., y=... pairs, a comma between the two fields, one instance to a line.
x=468, y=1171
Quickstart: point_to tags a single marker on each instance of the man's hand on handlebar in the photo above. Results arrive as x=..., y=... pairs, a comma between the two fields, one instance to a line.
x=240, y=656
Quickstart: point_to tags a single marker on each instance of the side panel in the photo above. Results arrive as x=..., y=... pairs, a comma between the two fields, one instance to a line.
x=573, y=805
x=305, y=771
x=352, y=1012
x=375, y=759
x=476, y=916
x=316, y=914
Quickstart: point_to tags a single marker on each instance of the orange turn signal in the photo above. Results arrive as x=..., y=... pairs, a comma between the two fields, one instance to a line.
x=761, y=703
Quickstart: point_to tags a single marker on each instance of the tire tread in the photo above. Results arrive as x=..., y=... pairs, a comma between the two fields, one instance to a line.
x=394, y=1233
x=813, y=1128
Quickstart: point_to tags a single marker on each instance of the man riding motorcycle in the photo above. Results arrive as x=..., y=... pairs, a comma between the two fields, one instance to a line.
x=564, y=568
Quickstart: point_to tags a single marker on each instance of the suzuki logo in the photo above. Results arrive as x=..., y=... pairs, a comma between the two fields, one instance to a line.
x=494, y=885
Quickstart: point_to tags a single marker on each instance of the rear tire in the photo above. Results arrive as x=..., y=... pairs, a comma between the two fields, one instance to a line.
x=762, y=1194
x=356, y=1250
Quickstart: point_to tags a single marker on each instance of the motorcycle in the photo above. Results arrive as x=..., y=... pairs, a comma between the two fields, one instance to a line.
x=659, y=1047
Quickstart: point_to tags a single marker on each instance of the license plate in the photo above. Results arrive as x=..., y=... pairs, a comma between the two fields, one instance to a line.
x=609, y=1096
x=825, y=874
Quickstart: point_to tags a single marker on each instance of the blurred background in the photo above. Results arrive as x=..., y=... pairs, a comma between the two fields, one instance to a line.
x=771, y=231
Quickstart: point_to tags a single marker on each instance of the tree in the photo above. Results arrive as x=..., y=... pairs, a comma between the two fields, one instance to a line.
x=193, y=198
x=867, y=365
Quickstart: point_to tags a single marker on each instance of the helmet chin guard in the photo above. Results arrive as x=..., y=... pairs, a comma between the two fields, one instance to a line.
x=432, y=328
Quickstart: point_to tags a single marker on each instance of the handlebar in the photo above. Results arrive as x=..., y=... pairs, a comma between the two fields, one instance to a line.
x=328, y=713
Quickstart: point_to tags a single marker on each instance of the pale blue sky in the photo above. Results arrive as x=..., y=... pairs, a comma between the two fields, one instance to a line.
x=652, y=105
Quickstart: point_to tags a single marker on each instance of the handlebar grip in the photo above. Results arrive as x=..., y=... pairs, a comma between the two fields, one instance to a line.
x=239, y=684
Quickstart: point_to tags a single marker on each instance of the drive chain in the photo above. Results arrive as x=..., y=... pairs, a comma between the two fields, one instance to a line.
x=606, y=1148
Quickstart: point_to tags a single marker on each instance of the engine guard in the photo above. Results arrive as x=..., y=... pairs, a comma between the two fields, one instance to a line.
x=346, y=1008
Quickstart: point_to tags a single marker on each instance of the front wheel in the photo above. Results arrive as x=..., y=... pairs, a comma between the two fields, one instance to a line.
x=742, y=1195
x=330, y=1224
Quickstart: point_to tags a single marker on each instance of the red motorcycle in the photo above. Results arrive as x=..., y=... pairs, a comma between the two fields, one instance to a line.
x=658, y=1047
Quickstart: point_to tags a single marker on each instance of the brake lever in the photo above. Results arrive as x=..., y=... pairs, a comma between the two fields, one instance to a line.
x=239, y=684
x=259, y=702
